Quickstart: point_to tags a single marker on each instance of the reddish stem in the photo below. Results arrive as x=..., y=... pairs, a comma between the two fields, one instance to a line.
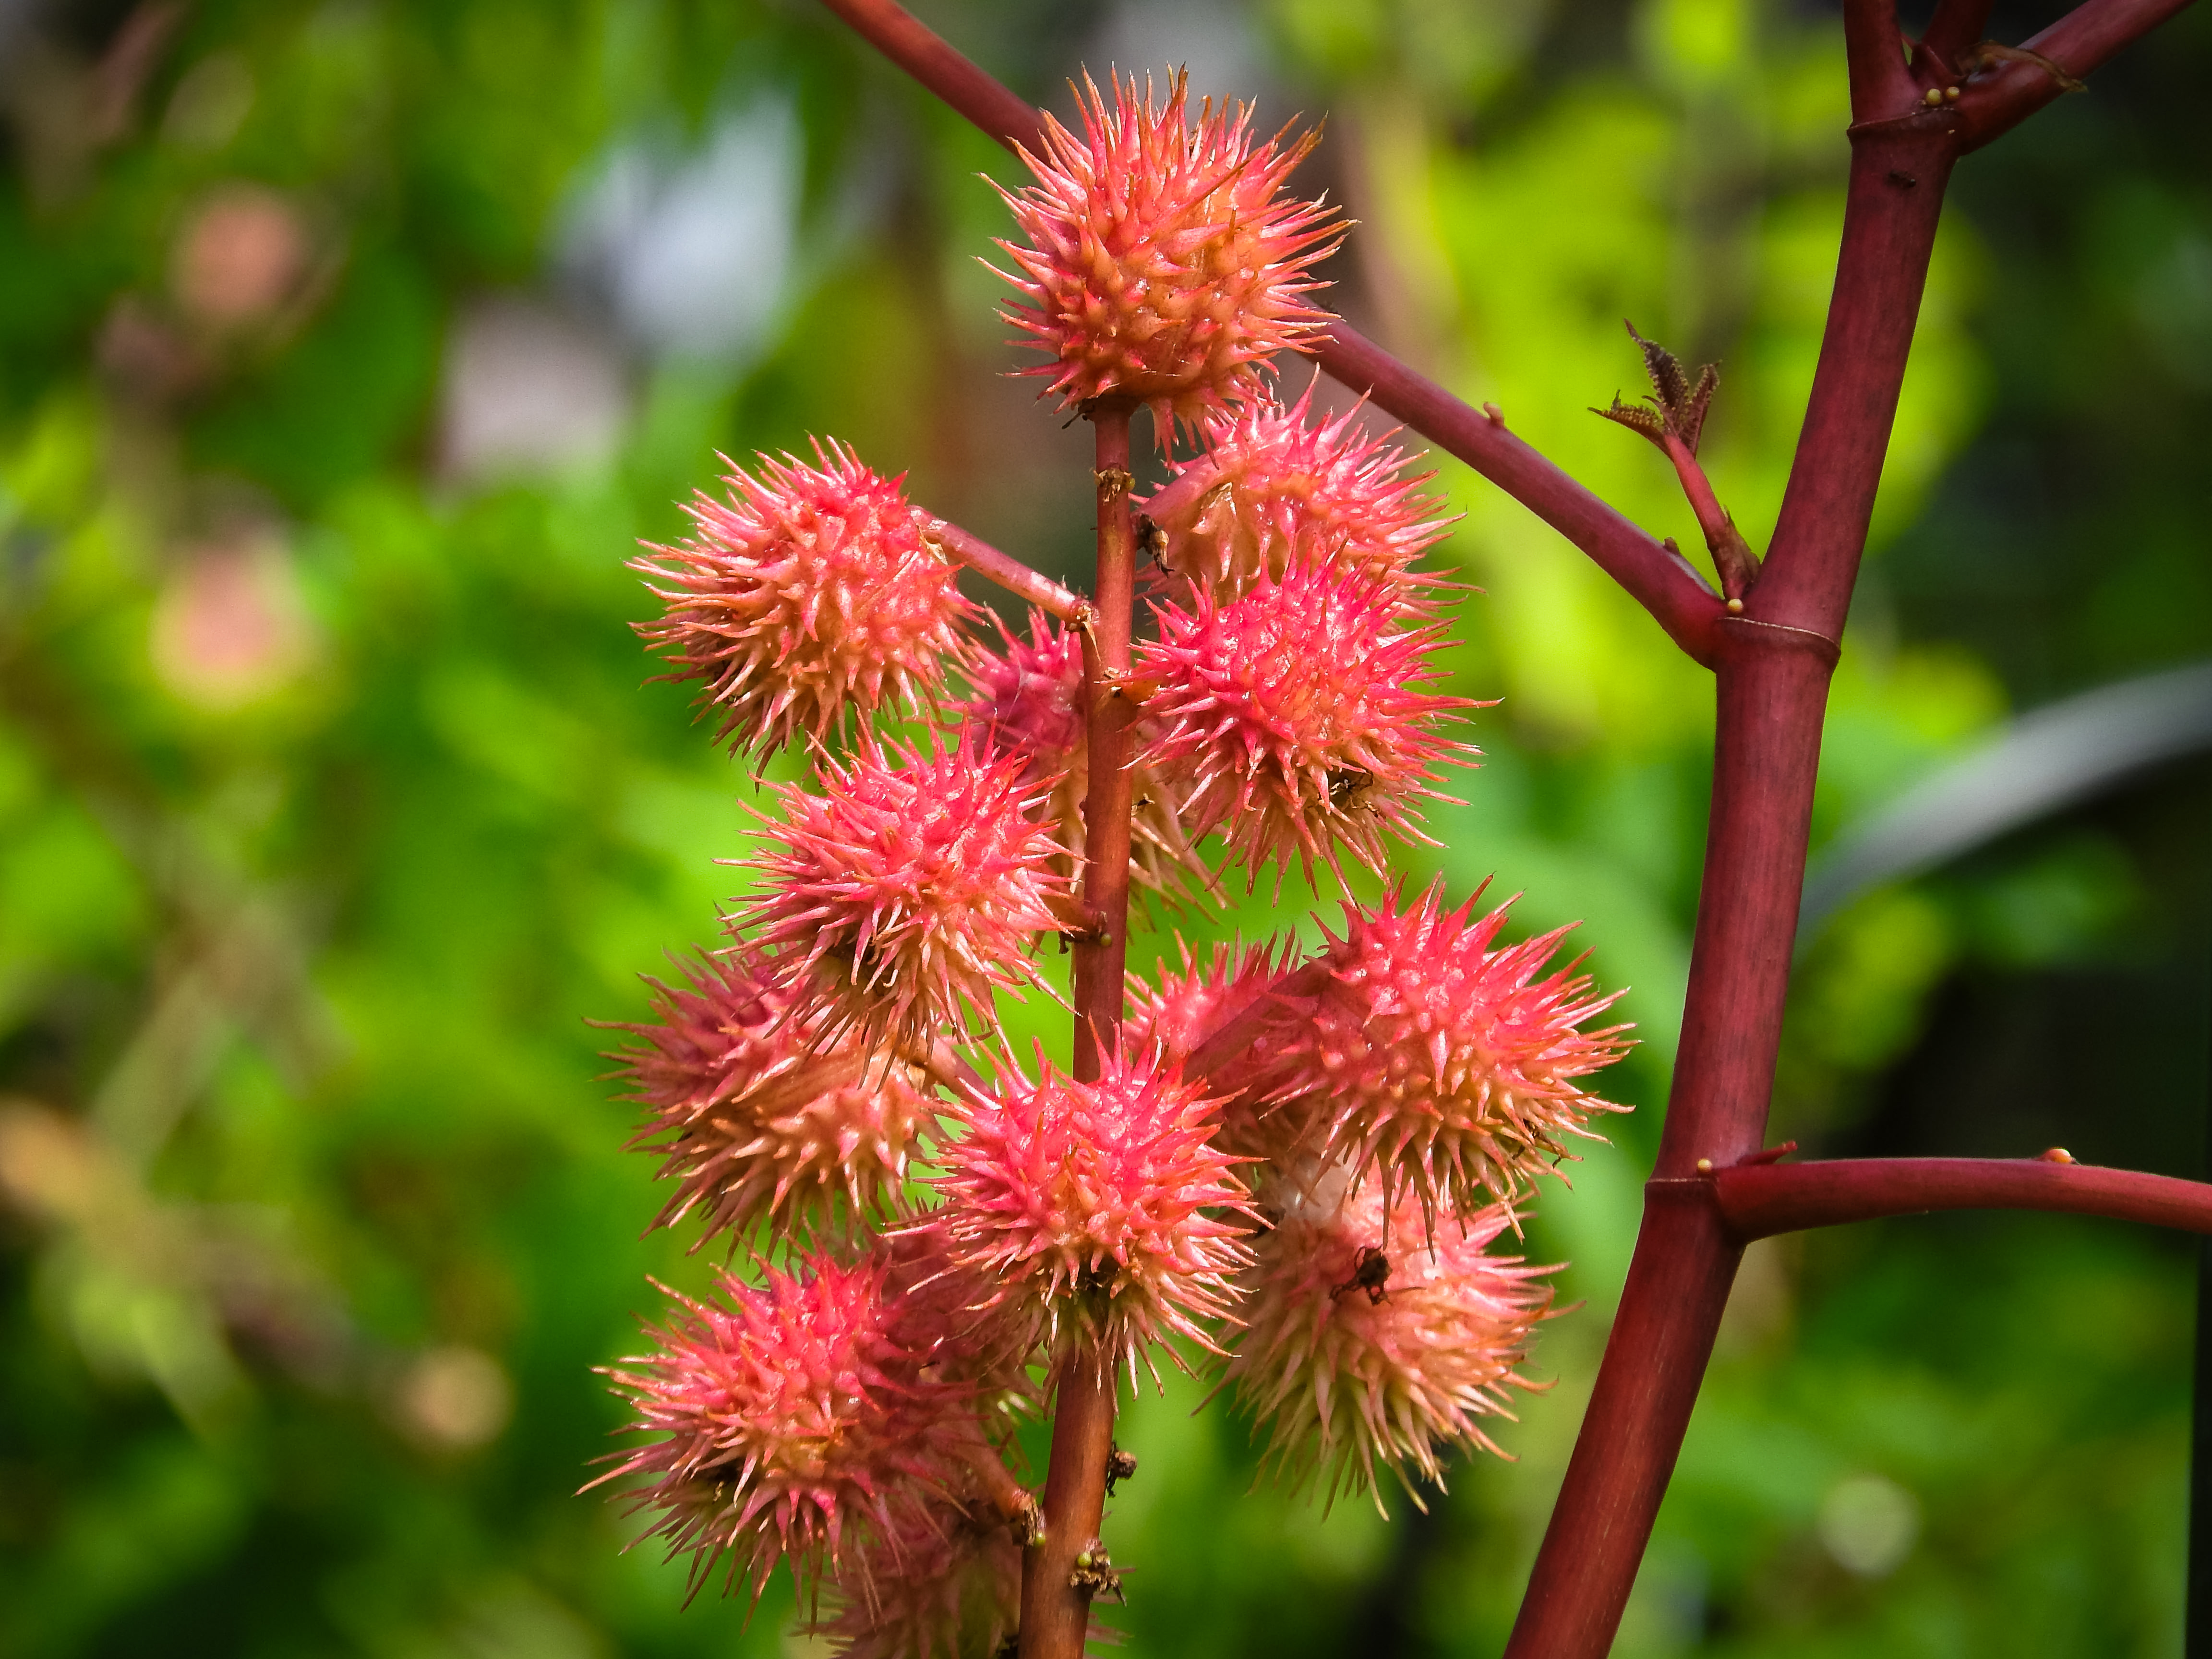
x=2087, y=37
x=1772, y=690
x=1657, y=577
x=1758, y=1200
x=929, y=57
x=1009, y=571
x=1055, y=1612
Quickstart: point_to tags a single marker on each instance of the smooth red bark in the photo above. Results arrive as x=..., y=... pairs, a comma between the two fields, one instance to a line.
x=1758, y=1200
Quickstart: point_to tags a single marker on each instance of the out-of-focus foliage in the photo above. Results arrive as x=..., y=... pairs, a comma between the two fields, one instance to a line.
x=346, y=350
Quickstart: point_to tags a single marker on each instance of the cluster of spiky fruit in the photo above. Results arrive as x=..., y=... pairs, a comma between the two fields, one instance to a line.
x=1289, y=1167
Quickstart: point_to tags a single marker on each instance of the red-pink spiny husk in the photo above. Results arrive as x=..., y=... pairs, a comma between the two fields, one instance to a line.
x=1028, y=698
x=790, y=1418
x=1101, y=1212
x=1293, y=718
x=1450, y=1068
x=760, y=1118
x=911, y=887
x=953, y=1587
x=1164, y=265
x=810, y=591
x=1344, y=1380
x=1292, y=487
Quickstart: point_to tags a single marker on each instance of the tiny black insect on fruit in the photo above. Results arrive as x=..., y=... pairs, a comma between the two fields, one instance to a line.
x=1347, y=783
x=1370, y=1271
x=1153, y=541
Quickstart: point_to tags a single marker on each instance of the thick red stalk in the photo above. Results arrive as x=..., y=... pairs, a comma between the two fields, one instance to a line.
x=1772, y=692
x=1055, y=1612
x=1757, y=1200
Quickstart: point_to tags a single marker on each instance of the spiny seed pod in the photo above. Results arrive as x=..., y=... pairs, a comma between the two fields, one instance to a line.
x=789, y=1417
x=1086, y=1203
x=761, y=1118
x=1293, y=718
x=1163, y=263
x=1029, y=700
x=1448, y=1068
x=1290, y=488
x=1178, y=1011
x=809, y=592
x=913, y=886
x=1367, y=1342
x=952, y=1586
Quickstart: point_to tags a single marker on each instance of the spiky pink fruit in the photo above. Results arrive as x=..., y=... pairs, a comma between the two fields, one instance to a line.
x=1087, y=1204
x=1029, y=700
x=1164, y=265
x=1294, y=717
x=1178, y=1011
x=1446, y=1066
x=762, y=1118
x=789, y=1417
x=914, y=885
x=1365, y=1343
x=809, y=592
x=951, y=1587
x=1292, y=488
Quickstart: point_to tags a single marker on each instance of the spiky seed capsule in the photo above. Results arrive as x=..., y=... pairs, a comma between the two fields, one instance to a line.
x=1447, y=1068
x=1291, y=486
x=790, y=1417
x=1163, y=263
x=951, y=1587
x=1029, y=700
x=1363, y=1344
x=808, y=591
x=760, y=1118
x=913, y=886
x=1086, y=1203
x=1294, y=717
x=1179, y=1016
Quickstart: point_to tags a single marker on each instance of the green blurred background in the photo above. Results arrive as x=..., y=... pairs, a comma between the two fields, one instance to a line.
x=346, y=350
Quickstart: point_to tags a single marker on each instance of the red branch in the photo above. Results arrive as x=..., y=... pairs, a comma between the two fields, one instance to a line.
x=1658, y=579
x=2087, y=37
x=1758, y=1200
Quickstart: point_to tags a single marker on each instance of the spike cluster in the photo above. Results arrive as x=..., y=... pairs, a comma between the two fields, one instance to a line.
x=761, y=1117
x=1281, y=485
x=1295, y=717
x=1451, y=1069
x=792, y=1414
x=1086, y=1204
x=1164, y=264
x=911, y=887
x=808, y=591
x=1369, y=1341
x=1318, y=1151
